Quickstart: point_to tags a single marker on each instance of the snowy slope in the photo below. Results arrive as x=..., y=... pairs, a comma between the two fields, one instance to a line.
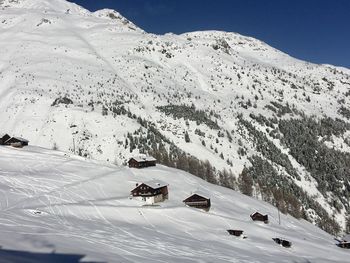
x=44, y=5
x=112, y=74
x=52, y=201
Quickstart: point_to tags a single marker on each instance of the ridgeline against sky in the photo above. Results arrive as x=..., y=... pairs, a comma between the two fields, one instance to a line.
x=313, y=30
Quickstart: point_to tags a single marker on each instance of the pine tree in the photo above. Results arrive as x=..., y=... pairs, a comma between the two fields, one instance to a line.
x=187, y=137
x=347, y=224
x=55, y=147
x=209, y=174
x=104, y=111
x=245, y=183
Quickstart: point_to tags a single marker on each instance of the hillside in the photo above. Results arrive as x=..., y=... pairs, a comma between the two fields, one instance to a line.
x=270, y=125
x=56, y=202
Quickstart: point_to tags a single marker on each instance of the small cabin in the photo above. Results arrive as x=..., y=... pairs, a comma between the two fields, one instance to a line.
x=198, y=200
x=17, y=142
x=142, y=162
x=235, y=232
x=259, y=217
x=345, y=242
x=151, y=192
x=282, y=242
x=3, y=138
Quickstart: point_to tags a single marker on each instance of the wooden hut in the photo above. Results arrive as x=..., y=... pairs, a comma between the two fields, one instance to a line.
x=259, y=217
x=151, y=192
x=17, y=142
x=235, y=232
x=198, y=200
x=3, y=138
x=142, y=162
x=282, y=242
x=345, y=242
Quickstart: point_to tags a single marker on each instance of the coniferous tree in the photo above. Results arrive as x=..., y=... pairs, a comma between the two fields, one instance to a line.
x=347, y=224
x=245, y=183
x=187, y=137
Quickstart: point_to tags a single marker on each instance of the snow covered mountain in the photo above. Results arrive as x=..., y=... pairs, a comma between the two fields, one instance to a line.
x=98, y=85
x=55, y=202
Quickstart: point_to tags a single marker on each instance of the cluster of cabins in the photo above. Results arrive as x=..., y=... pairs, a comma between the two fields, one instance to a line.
x=155, y=191
x=18, y=142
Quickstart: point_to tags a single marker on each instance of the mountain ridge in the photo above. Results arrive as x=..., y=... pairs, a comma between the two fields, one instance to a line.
x=52, y=5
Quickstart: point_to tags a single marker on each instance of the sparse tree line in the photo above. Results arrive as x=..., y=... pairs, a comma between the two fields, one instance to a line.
x=329, y=166
x=189, y=113
x=267, y=148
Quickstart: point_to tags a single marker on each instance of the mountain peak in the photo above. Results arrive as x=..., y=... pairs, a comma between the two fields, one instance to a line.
x=117, y=17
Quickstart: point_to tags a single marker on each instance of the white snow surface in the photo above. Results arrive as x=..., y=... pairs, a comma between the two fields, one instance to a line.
x=52, y=201
x=45, y=5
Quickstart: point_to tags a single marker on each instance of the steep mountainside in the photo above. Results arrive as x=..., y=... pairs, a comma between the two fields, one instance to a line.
x=225, y=107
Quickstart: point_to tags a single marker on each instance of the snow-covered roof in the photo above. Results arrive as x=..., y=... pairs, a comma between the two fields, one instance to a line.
x=144, y=158
x=156, y=184
x=20, y=139
x=201, y=193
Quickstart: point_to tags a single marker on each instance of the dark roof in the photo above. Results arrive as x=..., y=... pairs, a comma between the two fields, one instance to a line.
x=257, y=213
x=235, y=231
x=200, y=194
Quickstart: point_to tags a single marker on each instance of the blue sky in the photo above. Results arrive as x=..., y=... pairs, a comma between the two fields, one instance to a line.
x=312, y=30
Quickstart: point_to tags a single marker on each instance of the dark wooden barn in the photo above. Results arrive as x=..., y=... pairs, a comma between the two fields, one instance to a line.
x=282, y=242
x=151, y=192
x=141, y=162
x=17, y=142
x=235, y=232
x=344, y=244
x=259, y=217
x=3, y=138
x=198, y=200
